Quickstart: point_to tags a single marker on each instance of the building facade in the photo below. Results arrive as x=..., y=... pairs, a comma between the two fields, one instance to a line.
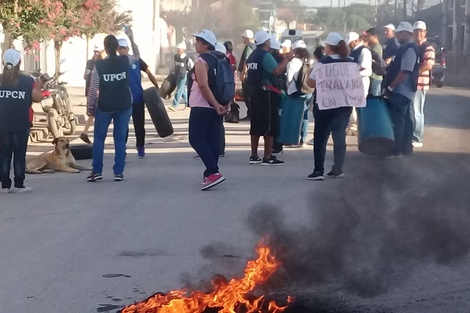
x=456, y=26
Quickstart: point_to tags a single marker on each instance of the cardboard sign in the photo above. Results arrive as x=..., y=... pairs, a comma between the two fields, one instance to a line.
x=339, y=85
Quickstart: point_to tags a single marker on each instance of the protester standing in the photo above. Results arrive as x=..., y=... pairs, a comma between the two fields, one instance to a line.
x=135, y=82
x=391, y=44
x=374, y=45
x=318, y=54
x=183, y=64
x=98, y=54
x=265, y=98
x=332, y=121
x=17, y=92
x=109, y=99
x=427, y=59
x=231, y=57
x=400, y=88
x=248, y=40
x=205, y=119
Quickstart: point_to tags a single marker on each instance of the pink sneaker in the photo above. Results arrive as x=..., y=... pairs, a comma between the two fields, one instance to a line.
x=212, y=180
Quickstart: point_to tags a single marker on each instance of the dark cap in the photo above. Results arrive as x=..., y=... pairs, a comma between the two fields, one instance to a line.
x=372, y=31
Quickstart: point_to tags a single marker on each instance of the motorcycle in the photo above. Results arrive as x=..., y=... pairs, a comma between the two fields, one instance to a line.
x=56, y=104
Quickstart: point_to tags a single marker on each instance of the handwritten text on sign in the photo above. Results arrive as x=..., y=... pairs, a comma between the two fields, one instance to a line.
x=339, y=85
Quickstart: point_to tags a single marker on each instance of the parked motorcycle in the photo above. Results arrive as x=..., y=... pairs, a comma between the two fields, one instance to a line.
x=56, y=104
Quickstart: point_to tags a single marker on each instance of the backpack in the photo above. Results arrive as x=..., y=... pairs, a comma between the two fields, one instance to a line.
x=301, y=81
x=220, y=75
x=378, y=64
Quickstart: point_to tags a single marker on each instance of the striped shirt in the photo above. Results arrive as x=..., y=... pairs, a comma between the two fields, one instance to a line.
x=93, y=93
x=428, y=57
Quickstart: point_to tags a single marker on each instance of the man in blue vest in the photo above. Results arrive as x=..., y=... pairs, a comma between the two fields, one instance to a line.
x=264, y=118
x=400, y=85
x=135, y=82
x=248, y=38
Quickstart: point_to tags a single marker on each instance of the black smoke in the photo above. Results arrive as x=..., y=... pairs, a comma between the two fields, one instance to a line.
x=368, y=233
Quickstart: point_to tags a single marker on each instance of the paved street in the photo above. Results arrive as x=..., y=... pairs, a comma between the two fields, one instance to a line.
x=392, y=236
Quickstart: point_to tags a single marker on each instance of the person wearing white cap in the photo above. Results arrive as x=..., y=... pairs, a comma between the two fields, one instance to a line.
x=248, y=40
x=332, y=121
x=183, y=64
x=286, y=46
x=205, y=118
x=264, y=121
x=17, y=92
x=137, y=66
x=400, y=86
x=98, y=54
x=427, y=60
x=391, y=44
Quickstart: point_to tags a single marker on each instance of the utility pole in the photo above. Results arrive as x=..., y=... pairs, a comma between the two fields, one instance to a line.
x=404, y=10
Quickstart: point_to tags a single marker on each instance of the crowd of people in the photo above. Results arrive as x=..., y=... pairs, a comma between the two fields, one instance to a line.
x=269, y=72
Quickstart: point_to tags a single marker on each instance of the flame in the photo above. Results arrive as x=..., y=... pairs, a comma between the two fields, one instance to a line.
x=226, y=297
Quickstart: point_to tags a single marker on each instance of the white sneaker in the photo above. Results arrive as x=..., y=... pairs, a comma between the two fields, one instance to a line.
x=21, y=190
x=417, y=144
x=5, y=190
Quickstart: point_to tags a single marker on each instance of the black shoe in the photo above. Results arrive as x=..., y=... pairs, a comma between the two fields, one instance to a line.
x=118, y=177
x=94, y=177
x=255, y=160
x=335, y=174
x=272, y=161
x=85, y=138
x=315, y=176
x=277, y=151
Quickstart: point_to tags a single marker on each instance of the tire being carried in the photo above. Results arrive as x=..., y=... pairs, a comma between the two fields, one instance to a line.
x=157, y=112
x=82, y=151
x=168, y=86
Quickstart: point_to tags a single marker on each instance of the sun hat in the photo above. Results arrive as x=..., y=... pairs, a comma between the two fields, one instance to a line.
x=207, y=36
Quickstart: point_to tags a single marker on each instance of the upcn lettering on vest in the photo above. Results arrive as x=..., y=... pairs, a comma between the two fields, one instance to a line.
x=8, y=94
x=252, y=66
x=114, y=77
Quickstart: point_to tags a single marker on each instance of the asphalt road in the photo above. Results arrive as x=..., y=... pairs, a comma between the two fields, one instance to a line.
x=392, y=236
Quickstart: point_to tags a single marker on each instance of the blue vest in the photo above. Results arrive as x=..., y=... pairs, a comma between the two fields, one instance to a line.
x=355, y=54
x=115, y=94
x=395, y=66
x=135, y=82
x=328, y=59
x=15, y=103
x=255, y=67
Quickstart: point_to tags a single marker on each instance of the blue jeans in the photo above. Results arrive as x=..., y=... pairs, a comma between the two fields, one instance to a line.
x=418, y=115
x=13, y=143
x=181, y=91
x=121, y=126
x=400, y=110
x=375, y=87
x=205, y=132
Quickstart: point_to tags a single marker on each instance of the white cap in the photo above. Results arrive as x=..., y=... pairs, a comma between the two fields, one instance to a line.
x=208, y=36
x=299, y=44
x=419, y=25
x=220, y=47
x=275, y=44
x=390, y=26
x=12, y=57
x=99, y=46
x=181, y=45
x=333, y=39
x=261, y=37
x=122, y=42
x=350, y=37
x=286, y=43
x=248, y=34
x=404, y=27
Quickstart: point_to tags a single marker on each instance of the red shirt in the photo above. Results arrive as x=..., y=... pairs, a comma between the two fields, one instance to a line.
x=232, y=60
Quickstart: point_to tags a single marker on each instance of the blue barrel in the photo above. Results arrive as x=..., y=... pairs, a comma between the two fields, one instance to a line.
x=291, y=111
x=375, y=128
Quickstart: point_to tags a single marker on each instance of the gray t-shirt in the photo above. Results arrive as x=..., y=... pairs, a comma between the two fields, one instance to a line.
x=407, y=64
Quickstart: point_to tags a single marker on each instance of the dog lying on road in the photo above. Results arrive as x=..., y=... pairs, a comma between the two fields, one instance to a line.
x=61, y=159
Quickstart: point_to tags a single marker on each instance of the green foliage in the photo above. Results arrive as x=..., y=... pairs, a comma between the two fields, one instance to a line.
x=354, y=17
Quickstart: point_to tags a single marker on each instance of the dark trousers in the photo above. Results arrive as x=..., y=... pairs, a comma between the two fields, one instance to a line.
x=205, y=132
x=138, y=118
x=247, y=96
x=13, y=144
x=400, y=110
x=334, y=121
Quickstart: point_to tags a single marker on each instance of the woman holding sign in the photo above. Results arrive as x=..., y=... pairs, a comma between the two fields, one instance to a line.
x=339, y=87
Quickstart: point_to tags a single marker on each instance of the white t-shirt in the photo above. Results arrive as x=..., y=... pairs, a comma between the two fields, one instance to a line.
x=293, y=69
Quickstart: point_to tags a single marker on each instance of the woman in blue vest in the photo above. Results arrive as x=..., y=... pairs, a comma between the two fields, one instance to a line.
x=332, y=121
x=110, y=84
x=17, y=92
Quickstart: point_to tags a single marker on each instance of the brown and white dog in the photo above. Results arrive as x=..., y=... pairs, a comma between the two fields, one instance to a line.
x=61, y=159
